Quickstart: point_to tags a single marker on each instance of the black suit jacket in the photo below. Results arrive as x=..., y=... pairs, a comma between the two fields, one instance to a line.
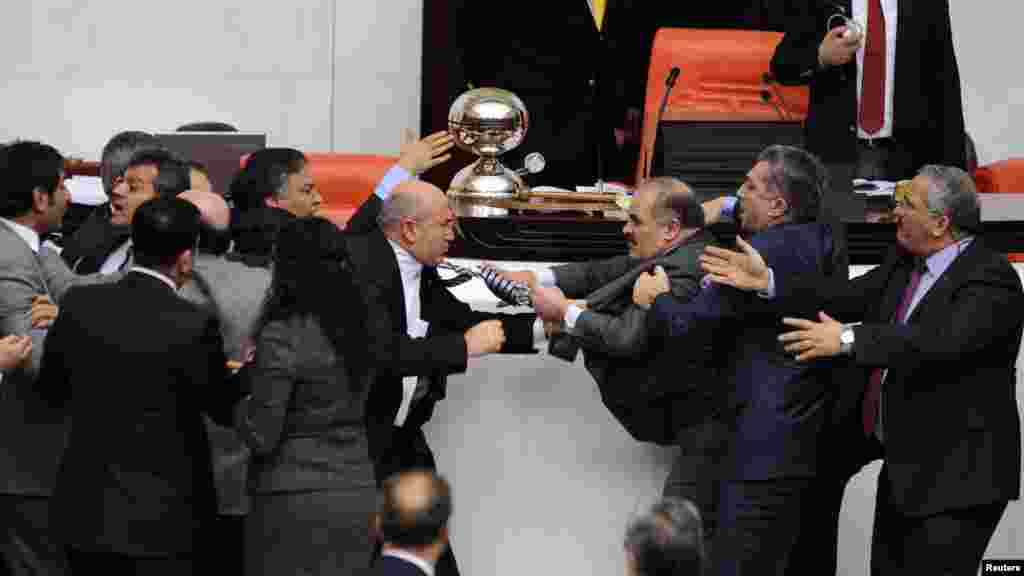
x=88, y=248
x=927, y=110
x=395, y=354
x=137, y=366
x=575, y=81
x=952, y=433
x=780, y=406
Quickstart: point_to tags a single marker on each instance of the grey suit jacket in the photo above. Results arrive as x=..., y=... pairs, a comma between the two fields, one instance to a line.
x=231, y=290
x=305, y=418
x=612, y=324
x=652, y=391
x=234, y=293
x=31, y=433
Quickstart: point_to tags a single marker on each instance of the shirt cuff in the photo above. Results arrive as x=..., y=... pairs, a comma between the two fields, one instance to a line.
x=729, y=207
x=545, y=278
x=769, y=293
x=393, y=177
x=572, y=313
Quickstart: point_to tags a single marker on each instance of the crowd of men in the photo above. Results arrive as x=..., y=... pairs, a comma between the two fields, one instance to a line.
x=778, y=377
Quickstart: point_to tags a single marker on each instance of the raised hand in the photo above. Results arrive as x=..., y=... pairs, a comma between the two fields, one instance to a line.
x=745, y=270
x=418, y=156
x=812, y=339
x=839, y=46
x=648, y=286
x=550, y=303
x=485, y=338
x=44, y=312
x=14, y=350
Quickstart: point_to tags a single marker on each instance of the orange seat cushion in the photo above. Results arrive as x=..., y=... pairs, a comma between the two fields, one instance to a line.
x=1002, y=176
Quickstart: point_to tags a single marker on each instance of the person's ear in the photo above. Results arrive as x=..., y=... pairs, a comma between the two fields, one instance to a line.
x=942, y=225
x=41, y=201
x=409, y=230
x=780, y=206
x=184, y=264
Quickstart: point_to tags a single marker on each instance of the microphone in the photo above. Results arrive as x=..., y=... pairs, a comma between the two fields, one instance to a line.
x=766, y=96
x=670, y=83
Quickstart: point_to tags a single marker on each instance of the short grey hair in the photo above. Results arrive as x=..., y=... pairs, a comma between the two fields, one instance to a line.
x=952, y=193
x=800, y=177
x=401, y=204
x=675, y=200
x=667, y=540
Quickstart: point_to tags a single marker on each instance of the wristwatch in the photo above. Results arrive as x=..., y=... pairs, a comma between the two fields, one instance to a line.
x=846, y=339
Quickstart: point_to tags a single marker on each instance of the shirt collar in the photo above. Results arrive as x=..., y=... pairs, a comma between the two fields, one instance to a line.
x=408, y=265
x=158, y=275
x=30, y=236
x=420, y=563
x=938, y=262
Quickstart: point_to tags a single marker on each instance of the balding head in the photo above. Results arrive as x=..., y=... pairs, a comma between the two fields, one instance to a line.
x=213, y=210
x=416, y=216
x=663, y=213
x=415, y=509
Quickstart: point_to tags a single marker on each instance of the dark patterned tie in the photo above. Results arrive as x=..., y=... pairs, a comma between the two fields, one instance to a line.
x=873, y=392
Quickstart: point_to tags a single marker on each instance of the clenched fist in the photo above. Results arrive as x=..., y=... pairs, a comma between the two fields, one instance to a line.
x=485, y=338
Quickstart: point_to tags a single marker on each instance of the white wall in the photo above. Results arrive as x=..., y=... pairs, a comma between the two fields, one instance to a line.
x=990, y=74
x=77, y=71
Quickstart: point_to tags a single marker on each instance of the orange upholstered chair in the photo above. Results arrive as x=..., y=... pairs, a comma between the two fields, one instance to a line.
x=1002, y=176
x=346, y=180
x=722, y=77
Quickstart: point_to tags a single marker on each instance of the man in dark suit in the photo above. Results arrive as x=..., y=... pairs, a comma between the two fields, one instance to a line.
x=938, y=332
x=413, y=523
x=885, y=97
x=777, y=407
x=576, y=66
x=637, y=375
x=134, y=493
x=419, y=332
x=96, y=237
x=151, y=173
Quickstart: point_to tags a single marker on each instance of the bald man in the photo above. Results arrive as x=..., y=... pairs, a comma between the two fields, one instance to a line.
x=413, y=523
x=419, y=332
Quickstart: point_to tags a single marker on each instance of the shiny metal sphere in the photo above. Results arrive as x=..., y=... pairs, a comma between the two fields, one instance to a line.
x=488, y=121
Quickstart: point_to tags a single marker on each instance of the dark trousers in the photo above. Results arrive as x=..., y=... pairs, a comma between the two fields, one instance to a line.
x=696, y=476
x=952, y=542
x=109, y=564
x=409, y=450
x=759, y=525
x=27, y=547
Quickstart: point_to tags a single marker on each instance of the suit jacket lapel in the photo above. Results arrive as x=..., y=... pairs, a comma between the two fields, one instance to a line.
x=382, y=253
x=941, y=293
x=895, y=289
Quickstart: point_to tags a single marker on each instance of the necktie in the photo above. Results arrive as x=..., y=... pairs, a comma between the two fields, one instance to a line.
x=873, y=393
x=872, y=95
x=127, y=259
x=597, y=6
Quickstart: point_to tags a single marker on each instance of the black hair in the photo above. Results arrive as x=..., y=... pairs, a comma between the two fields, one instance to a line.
x=26, y=166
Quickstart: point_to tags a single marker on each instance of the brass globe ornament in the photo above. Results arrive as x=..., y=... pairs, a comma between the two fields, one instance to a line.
x=489, y=122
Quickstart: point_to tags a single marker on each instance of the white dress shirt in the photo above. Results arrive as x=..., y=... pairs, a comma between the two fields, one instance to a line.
x=158, y=275
x=860, y=16
x=410, y=269
x=413, y=559
x=117, y=259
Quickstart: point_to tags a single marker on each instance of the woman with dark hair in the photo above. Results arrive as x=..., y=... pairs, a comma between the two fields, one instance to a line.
x=272, y=188
x=311, y=478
